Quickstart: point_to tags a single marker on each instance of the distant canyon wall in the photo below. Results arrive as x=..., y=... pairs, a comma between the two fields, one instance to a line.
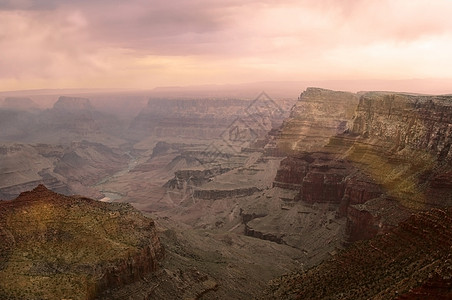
x=208, y=118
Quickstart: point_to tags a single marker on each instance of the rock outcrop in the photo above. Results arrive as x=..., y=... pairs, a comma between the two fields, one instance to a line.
x=291, y=172
x=73, y=116
x=189, y=118
x=70, y=119
x=405, y=145
x=54, y=246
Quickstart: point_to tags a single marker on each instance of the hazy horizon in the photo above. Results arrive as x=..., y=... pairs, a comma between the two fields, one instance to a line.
x=142, y=45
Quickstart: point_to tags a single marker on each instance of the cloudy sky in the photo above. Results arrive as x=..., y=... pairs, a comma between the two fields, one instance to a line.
x=148, y=43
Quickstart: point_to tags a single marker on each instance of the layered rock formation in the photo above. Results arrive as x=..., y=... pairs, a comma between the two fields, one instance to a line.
x=70, y=119
x=53, y=246
x=17, y=174
x=318, y=115
x=71, y=115
x=413, y=261
x=209, y=118
x=190, y=118
x=212, y=194
x=394, y=151
x=407, y=121
x=405, y=145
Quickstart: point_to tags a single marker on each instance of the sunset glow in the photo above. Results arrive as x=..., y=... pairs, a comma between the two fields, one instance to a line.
x=144, y=44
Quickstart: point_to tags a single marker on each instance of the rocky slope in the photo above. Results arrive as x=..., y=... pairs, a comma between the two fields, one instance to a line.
x=54, y=246
x=232, y=190
x=413, y=261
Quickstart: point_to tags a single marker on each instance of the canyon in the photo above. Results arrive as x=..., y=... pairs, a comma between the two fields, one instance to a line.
x=242, y=191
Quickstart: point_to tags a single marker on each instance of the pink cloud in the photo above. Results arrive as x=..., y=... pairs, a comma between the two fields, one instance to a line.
x=107, y=38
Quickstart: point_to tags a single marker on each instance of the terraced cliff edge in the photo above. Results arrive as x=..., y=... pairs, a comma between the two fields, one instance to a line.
x=59, y=247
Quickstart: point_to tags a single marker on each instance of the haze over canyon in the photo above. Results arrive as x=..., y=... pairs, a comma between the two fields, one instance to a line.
x=225, y=195
x=195, y=149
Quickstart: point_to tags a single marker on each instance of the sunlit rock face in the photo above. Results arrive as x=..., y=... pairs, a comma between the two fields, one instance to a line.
x=377, y=155
x=54, y=246
x=407, y=121
x=317, y=115
x=405, y=146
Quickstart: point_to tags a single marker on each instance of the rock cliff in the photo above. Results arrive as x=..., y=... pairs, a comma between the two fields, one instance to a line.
x=209, y=118
x=317, y=115
x=388, y=146
x=54, y=247
x=405, y=145
x=407, y=121
x=189, y=118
